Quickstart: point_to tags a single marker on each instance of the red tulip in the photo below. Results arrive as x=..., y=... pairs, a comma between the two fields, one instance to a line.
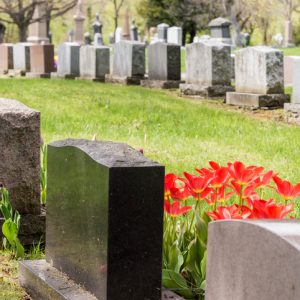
x=198, y=185
x=174, y=210
x=263, y=209
x=230, y=213
x=218, y=196
x=243, y=175
x=220, y=177
x=286, y=189
x=170, y=180
x=179, y=193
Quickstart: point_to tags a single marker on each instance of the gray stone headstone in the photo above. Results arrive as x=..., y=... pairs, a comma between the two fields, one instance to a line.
x=98, y=228
x=164, y=62
x=20, y=155
x=94, y=62
x=111, y=39
x=97, y=25
x=220, y=30
x=296, y=81
x=175, y=35
x=21, y=54
x=87, y=38
x=68, y=60
x=259, y=70
x=129, y=59
x=134, y=35
x=6, y=58
x=118, y=35
x=162, y=31
x=98, y=39
x=253, y=260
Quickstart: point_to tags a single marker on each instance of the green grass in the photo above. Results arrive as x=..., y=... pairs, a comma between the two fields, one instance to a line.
x=180, y=133
x=291, y=51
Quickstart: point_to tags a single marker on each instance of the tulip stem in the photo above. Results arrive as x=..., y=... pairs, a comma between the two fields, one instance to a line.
x=196, y=210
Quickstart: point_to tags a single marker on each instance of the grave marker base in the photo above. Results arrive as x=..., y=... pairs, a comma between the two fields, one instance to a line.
x=42, y=281
x=292, y=113
x=94, y=79
x=161, y=84
x=38, y=75
x=257, y=100
x=136, y=80
x=55, y=75
x=208, y=92
x=16, y=73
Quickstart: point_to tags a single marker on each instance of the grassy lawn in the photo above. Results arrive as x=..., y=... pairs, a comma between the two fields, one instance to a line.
x=291, y=51
x=180, y=133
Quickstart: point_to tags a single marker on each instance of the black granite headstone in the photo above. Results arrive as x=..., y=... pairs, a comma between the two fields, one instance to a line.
x=105, y=218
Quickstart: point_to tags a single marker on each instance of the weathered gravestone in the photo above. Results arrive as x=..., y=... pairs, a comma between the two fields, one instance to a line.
x=79, y=20
x=134, y=34
x=128, y=63
x=250, y=260
x=175, y=35
x=162, y=32
x=164, y=62
x=94, y=62
x=21, y=57
x=220, y=30
x=68, y=61
x=208, y=70
x=41, y=61
x=104, y=224
x=258, y=78
x=289, y=63
x=292, y=110
x=20, y=165
x=6, y=58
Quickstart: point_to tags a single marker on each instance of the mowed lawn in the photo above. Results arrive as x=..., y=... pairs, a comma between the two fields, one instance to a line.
x=179, y=133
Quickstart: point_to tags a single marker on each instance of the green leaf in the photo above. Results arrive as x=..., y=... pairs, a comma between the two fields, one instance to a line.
x=203, y=265
x=203, y=285
x=175, y=258
x=10, y=231
x=201, y=229
x=19, y=249
x=5, y=211
x=176, y=282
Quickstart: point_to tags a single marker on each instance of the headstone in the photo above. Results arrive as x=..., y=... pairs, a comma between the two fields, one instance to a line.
x=111, y=39
x=71, y=36
x=126, y=28
x=175, y=35
x=162, y=31
x=6, y=58
x=134, y=36
x=253, y=260
x=87, y=38
x=289, y=63
x=99, y=233
x=98, y=39
x=94, y=62
x=20, y=165
x=118, y=35
x=21, y=54
x=292, y=110
x=79, y=19
x=68, y=60
x=41, y=60
x=220, y=30
x=38, y=31
x=259, y=78
x=2, y=32
x=208, y=70
x=288, y=37
x=97, y=25
x=164, y=62
x=128, y=63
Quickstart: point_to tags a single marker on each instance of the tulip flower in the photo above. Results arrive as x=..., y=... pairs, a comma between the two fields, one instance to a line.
x=286, y=189
x=198, y=185
x=218, y=196
x=174, y=210
x=232, y=212
x=263, y=209
x=179, y=193
x=170, y=180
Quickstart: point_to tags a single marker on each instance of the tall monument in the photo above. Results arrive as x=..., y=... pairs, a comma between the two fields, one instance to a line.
x=38, y=31
x=79, y=19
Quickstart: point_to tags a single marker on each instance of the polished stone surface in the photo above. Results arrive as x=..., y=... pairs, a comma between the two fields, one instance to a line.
x=105, y=218
x=22, y=57
x=68, y=60
x=6, y=58
x=164, y=61
x=20, y=155
x=41, y=59
x=250, y=260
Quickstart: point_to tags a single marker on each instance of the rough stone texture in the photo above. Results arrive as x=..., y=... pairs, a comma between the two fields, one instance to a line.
x=292, y=113
x=129, y=59
x=47, y=283
x=175, y=35
x=94, y=62
x=289, y=63
x=259, y=70
x=161, y=84
x=216, y=91
x=250, y=260
x=208, y=69
x=41, y=60
x=257, y=100
x=68, y=60
x=98, y=228
x=20, y=155
x=21, y=55
x=164, y=62
x=6, y=58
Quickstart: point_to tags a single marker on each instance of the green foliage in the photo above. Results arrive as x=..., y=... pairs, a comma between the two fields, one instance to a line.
x=43, y=179
x=11, y=226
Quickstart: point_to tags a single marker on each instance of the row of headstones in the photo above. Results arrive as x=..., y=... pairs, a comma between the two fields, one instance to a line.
x=101, y=243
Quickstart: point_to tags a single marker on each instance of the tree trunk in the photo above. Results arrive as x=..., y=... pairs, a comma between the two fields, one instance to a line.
x=22, y=32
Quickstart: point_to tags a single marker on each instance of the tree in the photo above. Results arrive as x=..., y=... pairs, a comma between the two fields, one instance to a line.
x=117, y=5
x=21, y=12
